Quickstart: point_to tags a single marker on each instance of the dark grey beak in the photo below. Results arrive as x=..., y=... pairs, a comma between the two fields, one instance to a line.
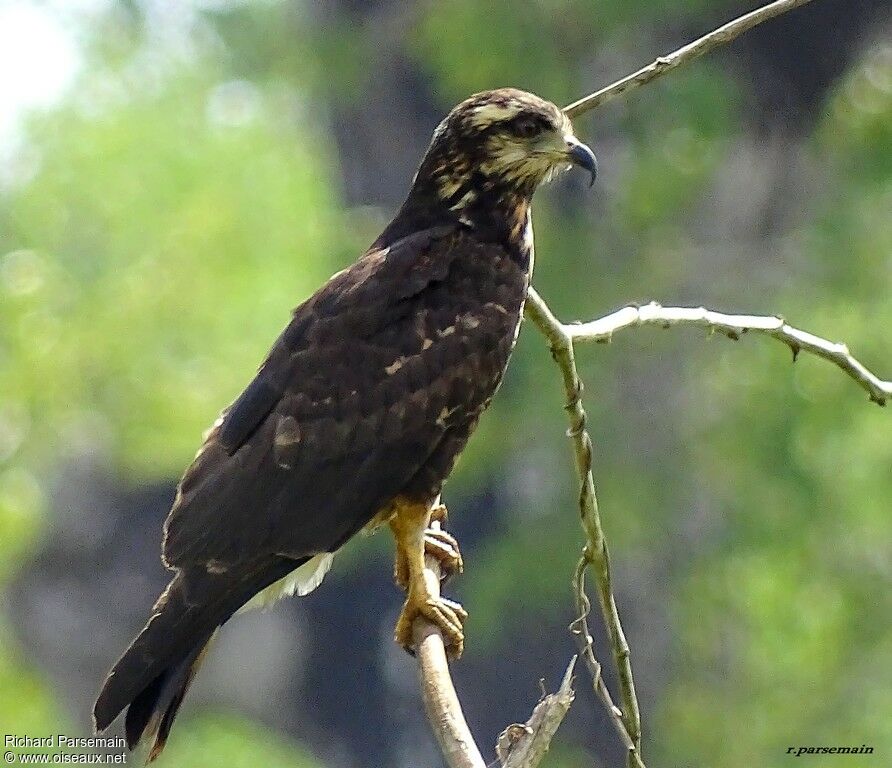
x=579, y=154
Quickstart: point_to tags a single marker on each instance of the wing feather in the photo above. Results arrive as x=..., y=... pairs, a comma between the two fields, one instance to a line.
x=357, y=289
x=246, y=413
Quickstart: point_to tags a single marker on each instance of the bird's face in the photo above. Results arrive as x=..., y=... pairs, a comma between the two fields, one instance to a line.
x=506, y=138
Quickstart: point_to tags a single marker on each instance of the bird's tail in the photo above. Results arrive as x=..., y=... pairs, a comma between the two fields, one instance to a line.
x=151, y=714
x=155, y=671
x=153, y=675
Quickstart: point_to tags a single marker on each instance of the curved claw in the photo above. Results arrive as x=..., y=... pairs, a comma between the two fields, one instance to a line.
x=439, y=514
x=444, y=547
x=447, y=615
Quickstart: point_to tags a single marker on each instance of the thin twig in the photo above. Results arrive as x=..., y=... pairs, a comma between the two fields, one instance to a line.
x=664, y=64
x=440, y=700
x=584, y=640
x=561, y=343
x=734, y=326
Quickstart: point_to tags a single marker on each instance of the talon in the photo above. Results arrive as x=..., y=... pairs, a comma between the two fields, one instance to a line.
x=439, y=544
x=458, y=608
x=447, y=615
x=439, y=514
x=444, y=547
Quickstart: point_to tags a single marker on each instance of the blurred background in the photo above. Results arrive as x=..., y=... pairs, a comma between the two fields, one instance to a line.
x=175, y=177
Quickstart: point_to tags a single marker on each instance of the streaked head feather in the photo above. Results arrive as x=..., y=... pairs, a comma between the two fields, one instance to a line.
x=502, y=138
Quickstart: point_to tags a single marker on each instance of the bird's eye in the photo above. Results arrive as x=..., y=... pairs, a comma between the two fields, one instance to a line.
x=526, y=127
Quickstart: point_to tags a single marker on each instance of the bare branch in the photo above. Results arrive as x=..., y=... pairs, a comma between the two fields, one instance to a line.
x=440, y=700
x=524, y=745
x=561, y=343
x=561, y=338
x=664, y=64
x=734, y=326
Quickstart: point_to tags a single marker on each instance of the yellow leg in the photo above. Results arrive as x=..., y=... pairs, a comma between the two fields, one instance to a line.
x=410, y=524
x=437, y=543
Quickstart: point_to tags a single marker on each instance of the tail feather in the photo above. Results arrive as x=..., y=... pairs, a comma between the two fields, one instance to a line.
x=178, y=624
x=153, y=675
x=151, y=714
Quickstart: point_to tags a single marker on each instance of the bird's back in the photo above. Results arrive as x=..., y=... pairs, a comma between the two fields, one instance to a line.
x=371, y=392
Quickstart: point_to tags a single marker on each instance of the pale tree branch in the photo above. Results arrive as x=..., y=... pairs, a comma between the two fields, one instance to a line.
x=734, y=326
x=664, y=64
x=519, y=746
x=440, y=700
x=561, y=338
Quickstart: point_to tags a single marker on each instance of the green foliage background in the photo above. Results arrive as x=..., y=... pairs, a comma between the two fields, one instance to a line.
x=179, y=203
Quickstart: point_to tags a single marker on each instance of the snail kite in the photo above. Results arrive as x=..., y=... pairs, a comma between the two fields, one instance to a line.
x=361, y=409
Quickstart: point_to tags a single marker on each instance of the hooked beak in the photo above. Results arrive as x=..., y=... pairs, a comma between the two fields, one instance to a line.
x=579, y=154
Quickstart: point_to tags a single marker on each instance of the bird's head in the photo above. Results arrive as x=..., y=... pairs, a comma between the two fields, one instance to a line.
x=501, y=140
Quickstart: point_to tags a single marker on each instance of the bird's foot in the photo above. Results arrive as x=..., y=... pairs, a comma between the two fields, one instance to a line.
x=417, y=532
x=438, y=544
x=447, y=615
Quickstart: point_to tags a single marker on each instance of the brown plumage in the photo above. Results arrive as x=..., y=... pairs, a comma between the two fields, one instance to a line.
x=363, y=404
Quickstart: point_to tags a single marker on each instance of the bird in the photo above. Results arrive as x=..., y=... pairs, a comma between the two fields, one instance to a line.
x=360, y=410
